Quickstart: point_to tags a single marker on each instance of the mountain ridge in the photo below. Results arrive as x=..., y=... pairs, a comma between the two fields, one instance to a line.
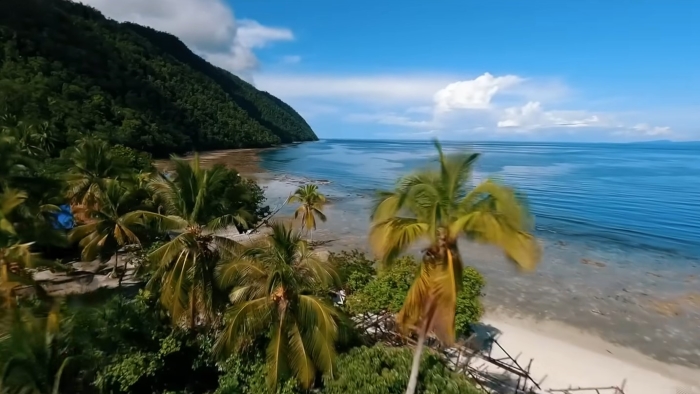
x=66, y=64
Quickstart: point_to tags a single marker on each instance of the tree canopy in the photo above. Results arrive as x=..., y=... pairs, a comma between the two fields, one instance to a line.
x=72, y=72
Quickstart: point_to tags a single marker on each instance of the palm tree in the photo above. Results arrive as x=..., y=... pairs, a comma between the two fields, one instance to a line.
x=91, y=167
x=438, y=206
x=15, y=256
x=311, y=204
x=271, y=289
x=184, y=268
x=32, y=361
x=33, y=139
x=111, y=223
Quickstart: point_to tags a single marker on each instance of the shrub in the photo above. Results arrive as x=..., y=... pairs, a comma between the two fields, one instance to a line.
x=383, y=370
x=469, y=307
x=354, y=268
x=247, y=374
x=387, y=290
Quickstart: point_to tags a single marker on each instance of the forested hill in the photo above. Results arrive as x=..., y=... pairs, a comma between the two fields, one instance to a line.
x=65, y=64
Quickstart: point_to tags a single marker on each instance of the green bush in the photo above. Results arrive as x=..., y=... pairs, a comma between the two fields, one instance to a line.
x=128, y=346
x=354, y=268
x=469, y=307
x=387, y=290
x=247, y=374
x=383, y=370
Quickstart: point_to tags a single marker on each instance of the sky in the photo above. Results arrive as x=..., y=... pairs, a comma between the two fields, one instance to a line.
x=513, y=70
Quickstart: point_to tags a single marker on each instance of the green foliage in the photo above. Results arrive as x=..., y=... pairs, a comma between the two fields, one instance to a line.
x=271, y=291
x=128, y=346
x=311, y=203
x=354, y=268
x=137, y=161
x=469, y=307
x=76, y=73
x=246, y=373
x=387, y=291
x=382, y=370
x=237, y=194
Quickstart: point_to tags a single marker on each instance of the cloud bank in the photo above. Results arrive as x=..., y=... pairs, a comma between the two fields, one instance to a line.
x=409, y=105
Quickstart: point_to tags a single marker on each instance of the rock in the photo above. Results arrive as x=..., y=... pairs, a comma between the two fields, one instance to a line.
x=593, y=263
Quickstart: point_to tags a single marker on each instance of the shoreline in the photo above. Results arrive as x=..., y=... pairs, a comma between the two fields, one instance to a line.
x=582, y=303
x=564, y=357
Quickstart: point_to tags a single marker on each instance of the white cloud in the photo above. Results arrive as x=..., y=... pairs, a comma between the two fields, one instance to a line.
x=291, y=59
x=207, y=26
x=391, y=119
x=386, y=89
x=531, y=116
x=472, y=94
x=651, y=130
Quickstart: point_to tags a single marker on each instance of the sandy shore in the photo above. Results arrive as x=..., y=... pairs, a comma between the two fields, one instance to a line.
x=564, y=357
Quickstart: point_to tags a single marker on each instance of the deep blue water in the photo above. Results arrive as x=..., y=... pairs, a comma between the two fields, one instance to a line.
x=641, y=196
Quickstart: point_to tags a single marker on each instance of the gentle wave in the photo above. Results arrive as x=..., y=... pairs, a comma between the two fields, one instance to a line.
x=637, y=195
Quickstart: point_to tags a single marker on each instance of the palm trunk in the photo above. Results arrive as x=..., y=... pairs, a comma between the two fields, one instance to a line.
x=415, y=367
x=116, y=260
x=121, y=276
x=193, y=311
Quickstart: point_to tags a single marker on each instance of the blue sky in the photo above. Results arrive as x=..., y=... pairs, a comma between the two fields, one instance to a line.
x=544, y=70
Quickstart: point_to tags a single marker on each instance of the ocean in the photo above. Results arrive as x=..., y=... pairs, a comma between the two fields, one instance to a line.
x=642, y=196
x=619, y=224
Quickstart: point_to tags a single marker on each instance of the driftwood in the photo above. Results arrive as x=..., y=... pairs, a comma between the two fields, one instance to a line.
x=473, y=357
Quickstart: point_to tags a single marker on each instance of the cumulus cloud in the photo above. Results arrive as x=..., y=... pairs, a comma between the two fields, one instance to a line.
x=207, y=26
x=472, y=94
x=531, y=116
x=651, y=130
x=387, y=89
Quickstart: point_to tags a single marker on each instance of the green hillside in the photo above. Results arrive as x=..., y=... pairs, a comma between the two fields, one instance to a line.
x=65, y=64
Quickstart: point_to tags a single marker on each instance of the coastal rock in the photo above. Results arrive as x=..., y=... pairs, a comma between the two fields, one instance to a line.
x=593, y=263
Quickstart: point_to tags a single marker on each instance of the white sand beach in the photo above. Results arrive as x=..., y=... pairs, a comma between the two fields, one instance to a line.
x=564, y=357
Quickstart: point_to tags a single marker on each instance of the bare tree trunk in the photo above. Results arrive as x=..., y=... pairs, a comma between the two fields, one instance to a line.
x=116, y=261
x=123, y=273
x=415, y=367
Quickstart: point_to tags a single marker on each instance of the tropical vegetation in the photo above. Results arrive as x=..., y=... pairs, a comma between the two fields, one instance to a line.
x=439, y=206
x=311, y=203
x=209, y=313
x=76, y=73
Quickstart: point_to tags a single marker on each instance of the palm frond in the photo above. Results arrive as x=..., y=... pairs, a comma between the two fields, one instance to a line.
x=300, y=358
x=393, y=236
x=277, y=366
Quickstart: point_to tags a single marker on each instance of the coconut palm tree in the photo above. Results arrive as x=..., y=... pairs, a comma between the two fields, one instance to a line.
x=29, y=348
x=183, y=269
x=438, y=206
x=110, y=223
x=32, y=138
x=91, y=166
x=271, y=290
x=311, y=205
x=15, y=256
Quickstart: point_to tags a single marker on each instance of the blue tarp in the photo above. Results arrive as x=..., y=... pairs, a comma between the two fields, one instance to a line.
x=63, y=219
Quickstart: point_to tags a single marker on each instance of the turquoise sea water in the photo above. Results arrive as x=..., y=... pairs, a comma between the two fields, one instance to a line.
x=641, y=196
x=619, y=224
